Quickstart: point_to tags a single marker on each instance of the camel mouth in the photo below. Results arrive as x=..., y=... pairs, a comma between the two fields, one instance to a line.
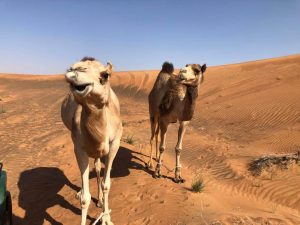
x=82, y=89
x=189, y=82
x=181, y=77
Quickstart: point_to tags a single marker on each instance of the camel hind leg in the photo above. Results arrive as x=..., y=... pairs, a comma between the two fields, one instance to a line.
x=163, y=129
x=154, y=133
x=156, y=141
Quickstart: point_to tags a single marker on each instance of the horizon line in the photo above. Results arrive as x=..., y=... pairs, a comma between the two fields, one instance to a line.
x=141, y=70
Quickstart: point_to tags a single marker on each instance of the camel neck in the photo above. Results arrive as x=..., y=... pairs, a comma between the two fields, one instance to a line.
x=94, y=121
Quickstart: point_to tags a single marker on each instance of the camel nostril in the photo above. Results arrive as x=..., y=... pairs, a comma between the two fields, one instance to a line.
x=181, y=77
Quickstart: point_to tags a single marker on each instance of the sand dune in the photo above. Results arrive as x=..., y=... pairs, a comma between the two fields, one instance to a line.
x=244, y=111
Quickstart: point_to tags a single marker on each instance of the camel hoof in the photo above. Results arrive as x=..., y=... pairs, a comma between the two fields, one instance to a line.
x=149, y=166
x=156, y=175
x=178, y=180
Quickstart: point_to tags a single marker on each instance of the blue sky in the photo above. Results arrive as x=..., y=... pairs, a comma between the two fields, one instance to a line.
x=45, y=37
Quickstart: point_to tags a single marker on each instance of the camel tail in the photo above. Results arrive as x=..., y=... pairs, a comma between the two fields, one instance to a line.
x=167, y=67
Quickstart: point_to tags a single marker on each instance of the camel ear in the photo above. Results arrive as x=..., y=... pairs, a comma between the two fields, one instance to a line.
x=109, y=67
x=106, y=73
x=203, y=68
x=198, y=68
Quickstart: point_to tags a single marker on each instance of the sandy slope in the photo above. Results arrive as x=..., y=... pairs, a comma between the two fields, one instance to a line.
x=244, y=111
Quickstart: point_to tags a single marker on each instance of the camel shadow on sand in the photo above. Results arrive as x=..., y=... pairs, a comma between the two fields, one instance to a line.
x=40, y=187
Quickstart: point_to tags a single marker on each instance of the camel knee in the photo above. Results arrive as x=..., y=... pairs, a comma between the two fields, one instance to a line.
x=178, y=169
x=178, y=151
x=105, y=187
x=85, y=200
x=151, y=141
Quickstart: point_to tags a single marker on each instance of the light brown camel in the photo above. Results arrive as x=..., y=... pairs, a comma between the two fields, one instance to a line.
x=91, y=112
x=172, y=99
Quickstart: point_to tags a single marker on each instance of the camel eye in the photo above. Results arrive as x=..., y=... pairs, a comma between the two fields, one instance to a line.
x=80, y=69
x=104, y=75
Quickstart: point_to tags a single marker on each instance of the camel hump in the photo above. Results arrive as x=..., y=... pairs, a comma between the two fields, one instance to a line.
x=167, y=67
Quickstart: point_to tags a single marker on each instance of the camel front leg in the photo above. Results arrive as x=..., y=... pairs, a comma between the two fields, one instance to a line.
x=163, y=132
x=114, y=147
x=149, y=164
x=182, y=128
x=85, y=196
x=97, y=164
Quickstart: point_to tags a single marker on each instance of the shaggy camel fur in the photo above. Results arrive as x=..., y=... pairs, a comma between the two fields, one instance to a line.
x=172, y=99
x=91, y=112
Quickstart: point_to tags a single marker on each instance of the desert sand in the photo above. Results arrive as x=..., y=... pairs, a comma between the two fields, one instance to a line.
x=244, y=111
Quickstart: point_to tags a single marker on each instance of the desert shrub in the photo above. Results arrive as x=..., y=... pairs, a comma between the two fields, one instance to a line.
x=198, y=185
x=257, y=166
x=130, y=140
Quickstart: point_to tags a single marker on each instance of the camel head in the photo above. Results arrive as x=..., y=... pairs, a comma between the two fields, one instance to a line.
x=89, y=81
x=192, y=74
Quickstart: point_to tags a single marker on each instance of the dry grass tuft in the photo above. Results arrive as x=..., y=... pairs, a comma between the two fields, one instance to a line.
x=130, y=140
x=198, y=185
